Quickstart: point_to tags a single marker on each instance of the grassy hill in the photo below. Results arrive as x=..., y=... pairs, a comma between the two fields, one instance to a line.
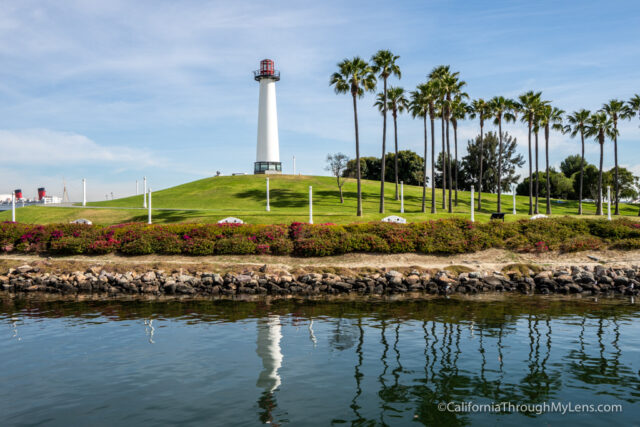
x=211, y=199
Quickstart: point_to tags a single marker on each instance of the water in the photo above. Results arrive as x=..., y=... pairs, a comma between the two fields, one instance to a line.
x=356, y=363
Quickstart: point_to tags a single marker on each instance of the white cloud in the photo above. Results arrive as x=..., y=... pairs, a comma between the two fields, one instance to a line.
x=49, y=147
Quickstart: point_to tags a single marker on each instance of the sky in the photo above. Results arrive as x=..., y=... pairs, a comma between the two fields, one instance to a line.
x=112, y=91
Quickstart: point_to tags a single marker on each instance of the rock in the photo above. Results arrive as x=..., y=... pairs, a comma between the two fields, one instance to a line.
x=24, y=268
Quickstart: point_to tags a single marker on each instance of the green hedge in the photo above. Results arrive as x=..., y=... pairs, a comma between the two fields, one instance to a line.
x=445, y=236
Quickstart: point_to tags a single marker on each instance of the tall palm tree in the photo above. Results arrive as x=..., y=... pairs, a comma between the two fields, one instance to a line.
x=451, y=86
x=480, y=109
x=616, y=110
x=419, y=107
x=459, y=111
x=600, y=127
x=383, y=63
x=396, y=102
x=356, y=77
x=431, y=96
x=550, y=118
x=528, y=104
x=436, y=75
x=501, y=109
x=576, y=124
x=634, y=104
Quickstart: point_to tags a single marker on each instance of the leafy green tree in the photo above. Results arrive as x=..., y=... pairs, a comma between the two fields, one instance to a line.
x=501, y=109
x=383, y=63
x=337, y=164
x=570, y=165
x=528, y=105
x=560, y=186
x=354, y=76
x=396, y=102
x=616, y=110
x=480, y=109
x=600, y=127
x=486, y=148
x=576, y=124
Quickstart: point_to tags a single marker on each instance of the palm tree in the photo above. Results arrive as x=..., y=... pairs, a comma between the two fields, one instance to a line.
x=480, y=109
x=634, y=104
x=383, y=63
x=431, y=96
x=528, y=104
x=550, y=117
x=436, y=75
x=576, y=125
x=419, y=107
x=616, y=110
x=459, y=110
x=600, y=127
x=450, y=86
x=501, y=109
x=354, y=76
x=396, y=102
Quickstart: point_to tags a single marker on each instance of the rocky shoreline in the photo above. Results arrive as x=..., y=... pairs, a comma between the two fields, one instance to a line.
x=586, y=280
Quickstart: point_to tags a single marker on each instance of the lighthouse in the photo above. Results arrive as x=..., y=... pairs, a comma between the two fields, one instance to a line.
x=268, y=149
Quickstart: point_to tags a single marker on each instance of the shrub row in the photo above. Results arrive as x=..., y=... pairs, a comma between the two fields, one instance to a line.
x=444, y=236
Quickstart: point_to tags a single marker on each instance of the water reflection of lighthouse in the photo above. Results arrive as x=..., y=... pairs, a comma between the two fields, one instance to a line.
x=269, y=335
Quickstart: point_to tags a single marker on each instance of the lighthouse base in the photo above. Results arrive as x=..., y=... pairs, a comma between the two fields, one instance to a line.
x=267, y=168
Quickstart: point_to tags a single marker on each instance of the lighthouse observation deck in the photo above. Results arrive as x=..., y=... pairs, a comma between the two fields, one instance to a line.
x=267, y=71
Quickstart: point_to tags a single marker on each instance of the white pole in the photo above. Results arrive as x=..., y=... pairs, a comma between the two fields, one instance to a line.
x=144, y=194
x=310, y=205
x=149, y=205
x=401, y=197
x=294, y=165
x=268, y=206
x=514, y=199
x=609, y=202
x=137, y=192
x=13, y=206
x=84, y=192
x=473, y=218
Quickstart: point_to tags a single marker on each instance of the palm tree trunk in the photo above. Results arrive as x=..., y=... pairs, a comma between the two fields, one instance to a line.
x=358, y=176
x=433, y=165
x=537, y=177
x=455, y=144
x=449, y=168
x=384, y=147
x=395, y=167
x=599, y=212
x=481, y=164
x=500, y=166
x=617, y=184
x=424, y=181
x=444, y=166
x=581, y=174
x=530, y=174
x=546, y=152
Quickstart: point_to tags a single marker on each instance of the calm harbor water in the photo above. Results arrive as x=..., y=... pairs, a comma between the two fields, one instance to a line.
x=316, y=363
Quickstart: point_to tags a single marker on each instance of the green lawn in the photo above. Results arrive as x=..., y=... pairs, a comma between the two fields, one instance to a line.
x=211, y=199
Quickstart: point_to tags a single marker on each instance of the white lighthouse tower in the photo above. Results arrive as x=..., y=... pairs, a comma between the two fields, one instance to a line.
x=268, y=148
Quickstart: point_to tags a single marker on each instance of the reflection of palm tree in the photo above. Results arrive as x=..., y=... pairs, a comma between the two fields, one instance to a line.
x=383, y=386
x=358, y=375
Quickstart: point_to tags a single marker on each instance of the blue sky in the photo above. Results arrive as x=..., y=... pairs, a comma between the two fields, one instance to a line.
x=115, y=90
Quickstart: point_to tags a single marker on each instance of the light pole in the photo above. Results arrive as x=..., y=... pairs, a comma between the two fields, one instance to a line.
x=268, y=206
x=514, y=198
x=473, y=218
x=144, y=194
x=149, y=205
x=310, y=205
x=13, y=207
x=401, y=196
x=609, y=202
x=84, y=192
